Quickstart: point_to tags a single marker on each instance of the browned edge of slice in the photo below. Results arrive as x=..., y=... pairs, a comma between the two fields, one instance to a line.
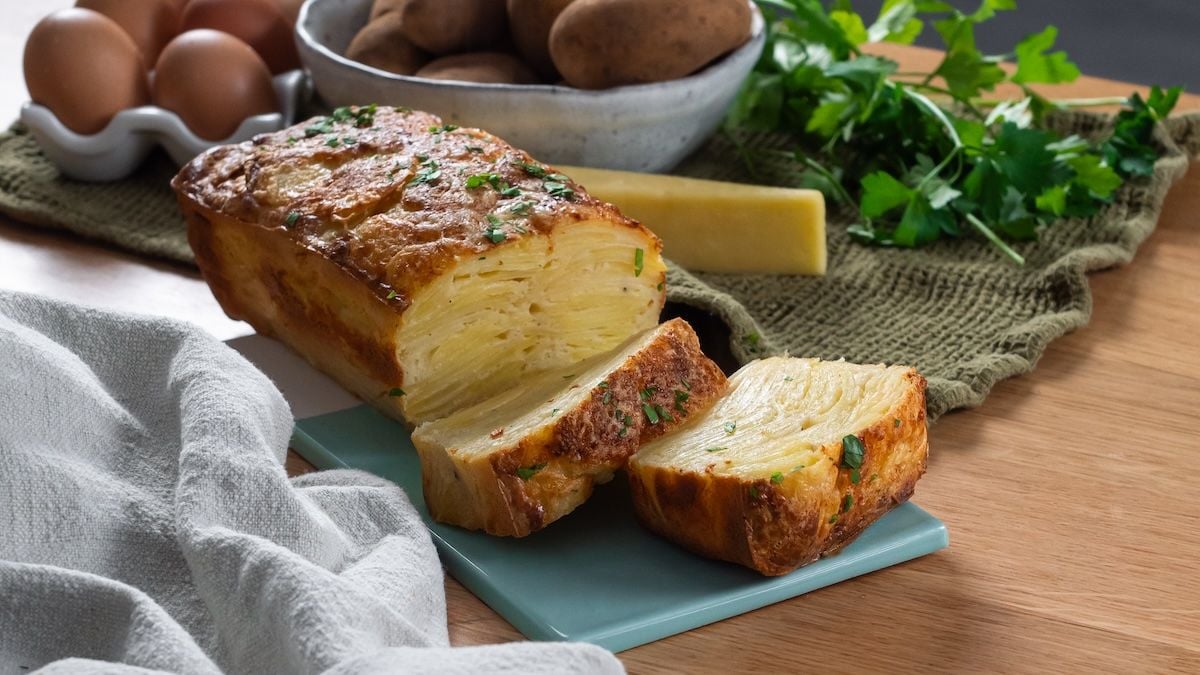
x=528, y=483
x=775, y=529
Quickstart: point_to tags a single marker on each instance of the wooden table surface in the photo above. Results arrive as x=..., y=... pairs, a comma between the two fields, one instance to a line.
x=1074, y=519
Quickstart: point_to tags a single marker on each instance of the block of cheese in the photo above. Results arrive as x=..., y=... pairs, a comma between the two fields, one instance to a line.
x=424, y=266
x=524, y=458
x=792, y=464
x=711, y=226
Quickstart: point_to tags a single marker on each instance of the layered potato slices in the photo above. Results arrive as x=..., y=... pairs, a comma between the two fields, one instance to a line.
x=791, y=465
x=516, y=462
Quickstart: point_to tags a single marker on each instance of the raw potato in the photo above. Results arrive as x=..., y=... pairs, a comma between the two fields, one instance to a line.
x=530, y=22
x=597, y=44
x=380, y=44
x=489, y=67
x=452, y=26
x=381, y=7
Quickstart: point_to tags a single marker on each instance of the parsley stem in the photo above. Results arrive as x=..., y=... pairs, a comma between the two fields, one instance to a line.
x=996, y=240
x=937, y=113
x=1066, y=103
x=834, y=183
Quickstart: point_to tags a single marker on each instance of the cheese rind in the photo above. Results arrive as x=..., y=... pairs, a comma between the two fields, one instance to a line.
x=713, y=226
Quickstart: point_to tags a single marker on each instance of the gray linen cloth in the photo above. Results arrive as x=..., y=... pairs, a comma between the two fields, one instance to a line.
x=146, y=521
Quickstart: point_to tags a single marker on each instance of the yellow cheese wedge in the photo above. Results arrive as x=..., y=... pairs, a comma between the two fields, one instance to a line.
x=710, y=226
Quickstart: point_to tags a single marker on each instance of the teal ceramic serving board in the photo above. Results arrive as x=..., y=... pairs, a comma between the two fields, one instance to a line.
x=597, y=576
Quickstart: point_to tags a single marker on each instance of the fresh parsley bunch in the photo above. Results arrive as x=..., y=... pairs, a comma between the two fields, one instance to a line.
x=924, y=156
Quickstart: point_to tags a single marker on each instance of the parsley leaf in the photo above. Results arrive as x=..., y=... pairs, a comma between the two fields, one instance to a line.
x=527, y=472
x=917, y=170
x=852, y=452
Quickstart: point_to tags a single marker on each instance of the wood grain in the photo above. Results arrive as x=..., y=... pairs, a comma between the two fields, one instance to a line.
x=1069, y=494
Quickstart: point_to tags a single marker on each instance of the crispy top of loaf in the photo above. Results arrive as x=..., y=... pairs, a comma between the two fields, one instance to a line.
x=392, y=196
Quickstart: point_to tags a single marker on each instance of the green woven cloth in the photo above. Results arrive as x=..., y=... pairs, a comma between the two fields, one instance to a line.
x=965, y=316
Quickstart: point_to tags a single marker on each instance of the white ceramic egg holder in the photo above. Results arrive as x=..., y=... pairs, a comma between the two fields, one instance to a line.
x=115, y=151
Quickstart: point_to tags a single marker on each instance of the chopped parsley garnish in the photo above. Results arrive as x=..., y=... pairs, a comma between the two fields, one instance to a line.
x=333, y=142
x=799, y=467
x=391, y=295
x=730, y=427
x=753, y=492
x=435, y=129
x=555, y=411
x=752, y=339
x=646, y=393
x=660, y=286
x=855, y=476
x=716, y=449
x=686, y=385
x=568, y=377
x=832, y=519
x=292, y=140
x=639, y=262
x=493, y=233
x=607, y=398
x=474, y=148
x=603, y=384
x=520, y=208
x=896, y=423
x=402, y=109
x=396, y=391
x=291, y=219
x=681, y=397
x=323, y=126
x=651, y=413
x=852, y=452
x=527, y=472
x=847, y=502
x=429, y=171
x=663, y=413
x=874, y=477
x=626, y=422
x=556, y=185
x=777, y=478
x=363, y=116
x=481, y=179
x=497, y=183
x=788, y=378
x=534, y=170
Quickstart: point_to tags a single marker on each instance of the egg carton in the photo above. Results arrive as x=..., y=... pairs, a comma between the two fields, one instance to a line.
x=117, y=150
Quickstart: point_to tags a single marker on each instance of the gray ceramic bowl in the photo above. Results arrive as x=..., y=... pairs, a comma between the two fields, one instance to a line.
x=649, y=127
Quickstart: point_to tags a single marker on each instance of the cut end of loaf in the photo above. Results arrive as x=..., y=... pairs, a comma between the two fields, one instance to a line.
x=538, y=304
x=520, y=460
x=759, y=479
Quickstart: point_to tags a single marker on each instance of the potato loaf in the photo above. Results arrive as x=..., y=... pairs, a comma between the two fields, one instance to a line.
x=426, y=267
x=791, y=465
x=516, y=462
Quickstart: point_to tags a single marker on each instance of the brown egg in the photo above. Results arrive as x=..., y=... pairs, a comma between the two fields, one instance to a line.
x=213, y=81
x=151, y=23
x=258, y=23
x=84, y=68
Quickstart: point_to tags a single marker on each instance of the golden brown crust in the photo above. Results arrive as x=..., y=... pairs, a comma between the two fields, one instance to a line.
x=369, y=164
x=775, y=528
x=323, y=235
x=529, y=482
